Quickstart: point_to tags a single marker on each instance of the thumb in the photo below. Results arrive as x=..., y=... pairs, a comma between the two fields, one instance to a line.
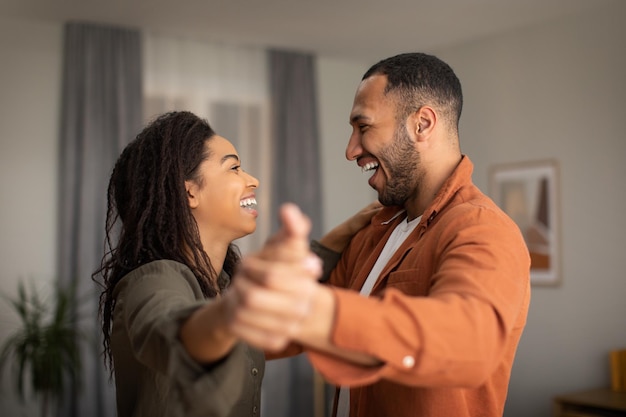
x=294, y=223
x=291, y=242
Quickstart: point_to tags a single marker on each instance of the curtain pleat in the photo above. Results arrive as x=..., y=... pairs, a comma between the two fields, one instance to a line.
x=101, y=112
x=296, y=175
x=289, y=383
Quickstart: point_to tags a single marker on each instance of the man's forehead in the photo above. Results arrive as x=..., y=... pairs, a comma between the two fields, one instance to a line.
x=373, y=84
x=370, y=97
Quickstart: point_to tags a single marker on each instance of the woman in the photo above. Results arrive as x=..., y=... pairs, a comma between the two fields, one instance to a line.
x=182, y=198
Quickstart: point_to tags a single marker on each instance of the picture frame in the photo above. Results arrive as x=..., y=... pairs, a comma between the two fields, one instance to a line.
x=529, y=193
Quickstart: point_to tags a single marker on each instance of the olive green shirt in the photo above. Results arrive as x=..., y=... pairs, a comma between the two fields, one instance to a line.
x=154, y=375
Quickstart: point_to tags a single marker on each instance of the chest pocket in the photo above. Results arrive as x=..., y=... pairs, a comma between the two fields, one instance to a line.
x=409, y=282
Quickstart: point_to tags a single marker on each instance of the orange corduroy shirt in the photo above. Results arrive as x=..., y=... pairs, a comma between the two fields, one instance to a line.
x=445, y=316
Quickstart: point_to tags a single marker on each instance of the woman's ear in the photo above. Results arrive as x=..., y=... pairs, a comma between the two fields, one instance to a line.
x=192, y=192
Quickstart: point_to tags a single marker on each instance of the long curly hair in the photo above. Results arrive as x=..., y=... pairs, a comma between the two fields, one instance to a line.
x=148, y=213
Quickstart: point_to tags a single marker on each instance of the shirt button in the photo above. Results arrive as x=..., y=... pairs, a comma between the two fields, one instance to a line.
x=408, y=361
x=255, y=372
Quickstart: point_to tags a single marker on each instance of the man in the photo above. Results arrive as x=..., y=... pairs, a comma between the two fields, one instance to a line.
x=427, y=304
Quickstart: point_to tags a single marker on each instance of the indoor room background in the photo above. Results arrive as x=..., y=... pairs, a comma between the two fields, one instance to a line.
x=556, y=90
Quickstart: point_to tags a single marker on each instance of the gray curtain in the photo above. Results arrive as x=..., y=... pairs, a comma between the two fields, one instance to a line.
x=101, y=112
x=296, y=173
x=288, y=384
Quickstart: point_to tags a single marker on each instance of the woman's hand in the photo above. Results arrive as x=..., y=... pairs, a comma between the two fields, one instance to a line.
x=272, y=291
x=340, y=236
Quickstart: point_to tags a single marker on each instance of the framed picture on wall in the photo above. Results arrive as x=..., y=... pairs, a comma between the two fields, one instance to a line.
x=529, y=193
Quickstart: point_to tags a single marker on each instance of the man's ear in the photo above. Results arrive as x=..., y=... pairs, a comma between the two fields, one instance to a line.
x=192, y=192
x=422, y=122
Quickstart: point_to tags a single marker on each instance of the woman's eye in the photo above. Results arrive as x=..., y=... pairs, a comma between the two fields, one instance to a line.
x=236, y=167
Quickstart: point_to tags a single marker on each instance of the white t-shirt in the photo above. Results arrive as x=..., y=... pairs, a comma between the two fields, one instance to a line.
x=398, y=236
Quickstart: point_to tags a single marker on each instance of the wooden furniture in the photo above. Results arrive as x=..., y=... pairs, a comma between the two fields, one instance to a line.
x=593, y=403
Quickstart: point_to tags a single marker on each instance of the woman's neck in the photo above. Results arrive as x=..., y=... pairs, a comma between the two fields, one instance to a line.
x=216, y=253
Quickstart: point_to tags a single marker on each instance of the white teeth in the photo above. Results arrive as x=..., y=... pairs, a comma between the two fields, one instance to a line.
x=248, y=203
x=369, y=166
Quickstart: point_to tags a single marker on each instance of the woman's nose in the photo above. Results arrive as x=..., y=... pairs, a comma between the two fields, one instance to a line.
x=252, y=181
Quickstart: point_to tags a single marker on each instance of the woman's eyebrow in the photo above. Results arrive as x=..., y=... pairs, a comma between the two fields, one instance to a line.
x=229, y=156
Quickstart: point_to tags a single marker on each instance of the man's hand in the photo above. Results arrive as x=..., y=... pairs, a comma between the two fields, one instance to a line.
x=273, y=289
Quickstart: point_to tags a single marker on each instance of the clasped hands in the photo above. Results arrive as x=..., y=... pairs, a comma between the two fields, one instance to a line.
x=275, y=297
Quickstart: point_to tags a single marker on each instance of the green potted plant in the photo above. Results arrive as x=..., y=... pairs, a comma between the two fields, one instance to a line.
x=45, y=348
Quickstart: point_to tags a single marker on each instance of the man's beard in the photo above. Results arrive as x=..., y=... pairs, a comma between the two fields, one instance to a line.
x=402, y=162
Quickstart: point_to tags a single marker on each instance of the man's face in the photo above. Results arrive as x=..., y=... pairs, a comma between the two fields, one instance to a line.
x=381, y=145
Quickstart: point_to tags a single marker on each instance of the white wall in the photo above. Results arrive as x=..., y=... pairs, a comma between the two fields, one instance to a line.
x=345, y=187
x=551, y=91
x=559, y=91
x=30, y=84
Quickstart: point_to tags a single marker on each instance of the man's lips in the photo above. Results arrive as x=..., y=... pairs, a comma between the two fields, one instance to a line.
x=369, y=166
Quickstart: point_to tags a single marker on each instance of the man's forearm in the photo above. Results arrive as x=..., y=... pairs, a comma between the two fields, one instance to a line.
x=317, y=329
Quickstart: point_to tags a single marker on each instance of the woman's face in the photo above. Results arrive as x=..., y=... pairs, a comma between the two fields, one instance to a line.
x=223, y=201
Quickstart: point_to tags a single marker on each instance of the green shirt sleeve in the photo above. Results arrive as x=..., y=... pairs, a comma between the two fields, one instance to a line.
x=153, y=371
x=329, y=258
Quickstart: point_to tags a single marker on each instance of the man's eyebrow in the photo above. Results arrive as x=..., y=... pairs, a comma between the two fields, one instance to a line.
x=229, y=156
x=358, y=117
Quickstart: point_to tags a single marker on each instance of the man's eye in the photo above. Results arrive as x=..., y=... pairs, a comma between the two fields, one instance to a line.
x=363, y=128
